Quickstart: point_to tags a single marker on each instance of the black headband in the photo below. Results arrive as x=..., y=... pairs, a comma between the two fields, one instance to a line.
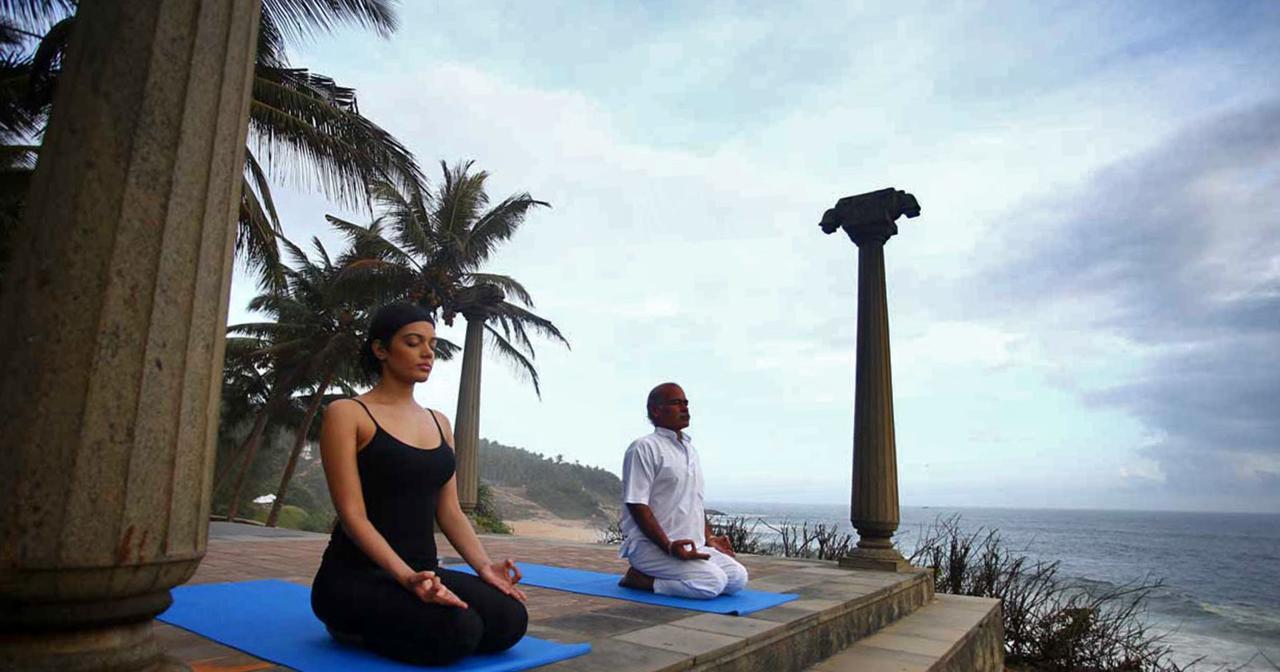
x=392, y=317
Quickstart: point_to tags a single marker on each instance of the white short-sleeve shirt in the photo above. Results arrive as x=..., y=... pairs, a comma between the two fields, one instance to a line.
x=663, y=472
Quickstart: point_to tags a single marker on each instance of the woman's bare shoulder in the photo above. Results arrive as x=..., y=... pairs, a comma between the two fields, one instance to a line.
x=437, y=415
x=342, y=410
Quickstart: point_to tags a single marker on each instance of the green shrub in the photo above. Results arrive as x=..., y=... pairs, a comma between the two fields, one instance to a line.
x=486, y=517
x=292, y=517
x=317, y=522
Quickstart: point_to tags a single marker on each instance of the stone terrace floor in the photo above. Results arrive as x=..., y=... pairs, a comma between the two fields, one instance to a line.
x=624, y=635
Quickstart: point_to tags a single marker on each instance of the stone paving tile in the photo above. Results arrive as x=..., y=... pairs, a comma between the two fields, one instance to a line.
x=785, y=582
x=692, y=642
x=786, y=615
x=916, y=645
x=594, y=624
x=889, y=580
x=649, y=613
x=813, y=604
x=870, y=659
x=837, y=591
x=942, y=633
x=981, y=604
x=824, y=571
x=734, y=626
x=623, y=656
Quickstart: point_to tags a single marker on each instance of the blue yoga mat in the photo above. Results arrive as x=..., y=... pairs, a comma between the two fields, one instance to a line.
x=272, y=620
x=584, y=582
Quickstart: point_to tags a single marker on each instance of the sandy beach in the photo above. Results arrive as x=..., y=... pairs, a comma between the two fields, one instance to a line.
x=562, y=529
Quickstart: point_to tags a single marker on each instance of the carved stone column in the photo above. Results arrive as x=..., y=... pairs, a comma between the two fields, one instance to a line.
x=114, y=311
x=869, y=220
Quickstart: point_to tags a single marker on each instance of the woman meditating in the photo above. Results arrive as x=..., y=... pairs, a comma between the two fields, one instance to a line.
x=390, y=468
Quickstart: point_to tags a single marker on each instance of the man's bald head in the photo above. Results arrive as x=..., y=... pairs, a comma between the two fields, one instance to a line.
x=668, y=407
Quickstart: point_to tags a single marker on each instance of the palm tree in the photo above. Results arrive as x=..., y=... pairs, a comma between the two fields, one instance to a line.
x=276, y=378
x=306, y=126
x=439, y=242
x=321, y=317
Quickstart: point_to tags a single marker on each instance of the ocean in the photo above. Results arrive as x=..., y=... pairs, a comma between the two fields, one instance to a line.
x=1221, y=598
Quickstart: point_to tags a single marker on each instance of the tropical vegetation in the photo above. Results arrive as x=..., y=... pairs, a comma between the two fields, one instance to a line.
x=423, y=244
x=302, y=126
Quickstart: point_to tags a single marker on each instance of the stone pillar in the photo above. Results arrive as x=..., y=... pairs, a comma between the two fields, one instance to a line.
x=466, y=434
x=114, y=312
x=869, y=220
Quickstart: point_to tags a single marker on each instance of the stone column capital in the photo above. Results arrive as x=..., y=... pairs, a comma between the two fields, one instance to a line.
x=870, y=217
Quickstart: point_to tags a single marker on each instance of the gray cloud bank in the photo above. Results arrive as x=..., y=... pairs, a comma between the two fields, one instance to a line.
x=1177, y=252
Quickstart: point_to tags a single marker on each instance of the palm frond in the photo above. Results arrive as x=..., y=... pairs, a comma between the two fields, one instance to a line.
x=297, y=256
x=311, y=132
x=405, y=212
x=12, y=35
x=303, y=19
x=262, y=187
x=36, y=15
x=18, y=157
x=256, y=239
x=446, y=349
x=18, y=122
x=509, y=285
x=369, y=243
x=459, y=200
x=520, y=364
x=321, y=252
x=46, y=64
x=520, y=319
x=498, y=225
x=271, y=47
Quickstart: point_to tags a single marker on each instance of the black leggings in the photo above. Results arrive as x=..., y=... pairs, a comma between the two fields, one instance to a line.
x=367, y=605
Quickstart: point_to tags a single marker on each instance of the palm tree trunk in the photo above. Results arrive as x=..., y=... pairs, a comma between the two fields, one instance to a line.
x=250, y=450
x=279, y=393
x=235, y=457
x=299, y=441
x=466, y=435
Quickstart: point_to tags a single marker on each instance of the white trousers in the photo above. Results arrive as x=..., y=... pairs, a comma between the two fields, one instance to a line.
x=698, y=579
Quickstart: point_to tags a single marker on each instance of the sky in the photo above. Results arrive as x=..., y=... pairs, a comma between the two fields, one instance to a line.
x=1085, y=315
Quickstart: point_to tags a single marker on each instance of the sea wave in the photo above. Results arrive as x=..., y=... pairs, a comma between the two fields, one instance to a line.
x=1171, y=606
x=1247, y=616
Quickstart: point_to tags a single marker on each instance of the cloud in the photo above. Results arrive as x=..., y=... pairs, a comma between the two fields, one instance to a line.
x=688, y=152
x=1174, y=252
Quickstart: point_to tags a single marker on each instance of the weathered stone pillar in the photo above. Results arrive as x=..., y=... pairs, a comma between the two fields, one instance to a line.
x=466, y=433
x=869, y=220
x=114, y=310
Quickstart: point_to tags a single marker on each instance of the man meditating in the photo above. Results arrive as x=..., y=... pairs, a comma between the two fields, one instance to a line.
x=665, y=532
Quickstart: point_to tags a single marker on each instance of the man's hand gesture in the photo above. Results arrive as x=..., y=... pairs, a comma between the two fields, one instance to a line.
x=722, y=544
x=685, y=549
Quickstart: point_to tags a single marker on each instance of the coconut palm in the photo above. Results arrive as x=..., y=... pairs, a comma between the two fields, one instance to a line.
x=279, y=376
x=325, y=314
x=316, y=331
x=438, y=244
x=429, y=246
x=307, y=127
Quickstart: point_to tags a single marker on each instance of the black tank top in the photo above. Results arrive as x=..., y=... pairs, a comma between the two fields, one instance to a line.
x=401, y=485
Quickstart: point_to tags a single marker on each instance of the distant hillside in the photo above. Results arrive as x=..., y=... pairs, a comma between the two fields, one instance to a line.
x=566, y=489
